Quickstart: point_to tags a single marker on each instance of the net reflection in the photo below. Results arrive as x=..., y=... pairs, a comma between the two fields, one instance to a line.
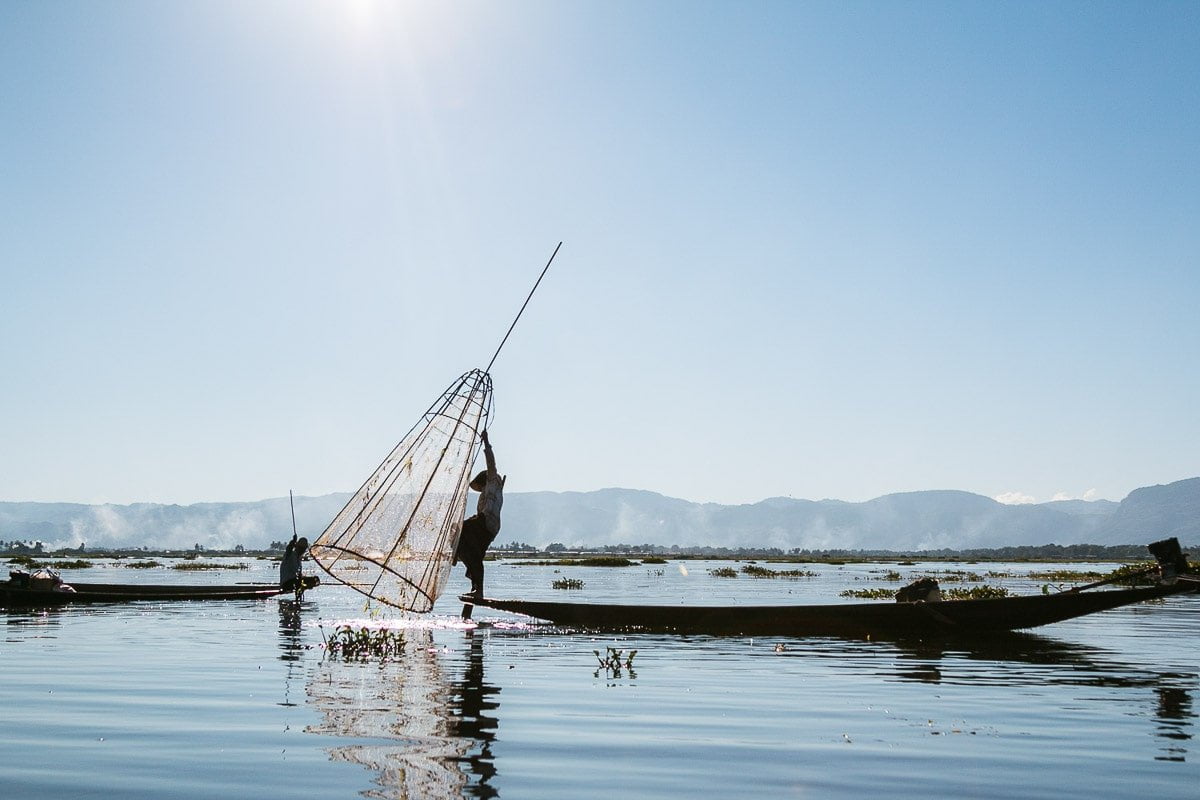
x=425, y=734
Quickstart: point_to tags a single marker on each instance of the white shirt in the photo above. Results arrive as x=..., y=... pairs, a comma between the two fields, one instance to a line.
x=490, y=501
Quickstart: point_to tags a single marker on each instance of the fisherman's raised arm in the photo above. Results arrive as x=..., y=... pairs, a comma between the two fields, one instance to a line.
x=487, y=453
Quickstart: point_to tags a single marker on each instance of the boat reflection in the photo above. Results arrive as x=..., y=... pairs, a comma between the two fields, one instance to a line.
x=424, y=734
x=1175, y=718
x=1018, y=659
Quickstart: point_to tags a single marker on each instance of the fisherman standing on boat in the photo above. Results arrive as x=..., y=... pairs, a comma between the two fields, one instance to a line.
x=480, y=529
x=290, y=577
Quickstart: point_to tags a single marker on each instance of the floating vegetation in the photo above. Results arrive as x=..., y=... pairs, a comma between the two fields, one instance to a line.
x=723, y=572
x=591, y=561
x=25, y=561
x=567, y=583
x=975, y=593
x=195, y=566
x=1128, y=574
x=77, y=564
x=755, y=571
x=952, y=576
x=956, y=593
x=142, y=565
x=892, y=575
x=871, y=594
x=654, y=560
x=362, y=644
x=1064, y=576
x=612, y=664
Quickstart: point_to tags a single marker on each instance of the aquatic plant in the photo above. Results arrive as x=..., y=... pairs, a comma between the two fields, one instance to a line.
x=654, y=560
x=141, y=565
x=723, y=572
x=755, y=571
x=361, y=644
x=591, y=561
x=77, y=564
x=612, y=664
x=950, y=576
x=957, y=593
x=194, y=566
x=984, y=592
x=1065, y=576
x=870, y=594
x=567, y=583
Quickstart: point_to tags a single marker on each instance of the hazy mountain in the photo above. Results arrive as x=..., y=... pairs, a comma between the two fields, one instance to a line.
x=213, y=525
x=909, y=521
x=1155, y=512
x=1083, y=507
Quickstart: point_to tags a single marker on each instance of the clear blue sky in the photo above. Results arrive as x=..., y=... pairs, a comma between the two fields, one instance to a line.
x=811, y=249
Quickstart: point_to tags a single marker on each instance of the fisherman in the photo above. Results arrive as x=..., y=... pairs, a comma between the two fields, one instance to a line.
x=290, y=573
x=480, y=529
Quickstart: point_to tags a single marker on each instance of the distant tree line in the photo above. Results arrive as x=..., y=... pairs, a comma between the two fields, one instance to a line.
x=1046, y=552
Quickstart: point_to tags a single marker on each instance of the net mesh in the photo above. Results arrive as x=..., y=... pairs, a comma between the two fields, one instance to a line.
x=395, y=539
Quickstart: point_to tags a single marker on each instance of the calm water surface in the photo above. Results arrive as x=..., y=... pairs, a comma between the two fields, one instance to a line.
x=239, y=699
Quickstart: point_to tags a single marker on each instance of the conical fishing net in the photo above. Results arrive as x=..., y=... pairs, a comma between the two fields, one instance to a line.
x=396, y=537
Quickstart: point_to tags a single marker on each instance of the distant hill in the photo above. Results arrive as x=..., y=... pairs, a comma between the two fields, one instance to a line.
x=928, y=520
x=1170, y=510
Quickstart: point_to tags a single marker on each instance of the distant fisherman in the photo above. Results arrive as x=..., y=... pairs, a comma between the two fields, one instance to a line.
x=479, y=530
x=290, y=577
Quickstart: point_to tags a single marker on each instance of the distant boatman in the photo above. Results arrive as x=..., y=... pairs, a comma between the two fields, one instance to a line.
x=479, y=530
x=290, y=578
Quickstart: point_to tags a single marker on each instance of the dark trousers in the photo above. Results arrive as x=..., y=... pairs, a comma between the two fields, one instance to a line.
x=472, y=545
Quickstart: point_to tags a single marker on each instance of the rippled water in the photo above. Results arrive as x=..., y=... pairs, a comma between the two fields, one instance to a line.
x=238, y=699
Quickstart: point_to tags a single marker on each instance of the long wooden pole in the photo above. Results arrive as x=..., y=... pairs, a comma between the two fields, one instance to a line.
x=522, y=311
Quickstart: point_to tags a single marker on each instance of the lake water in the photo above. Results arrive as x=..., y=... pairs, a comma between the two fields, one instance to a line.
x=239, y=699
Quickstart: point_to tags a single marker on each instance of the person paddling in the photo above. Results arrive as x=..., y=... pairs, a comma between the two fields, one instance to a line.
x=480, y=529
x=290, y=572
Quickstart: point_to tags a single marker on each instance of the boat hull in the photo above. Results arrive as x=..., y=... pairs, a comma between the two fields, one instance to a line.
x=852, y=619
x=13, y=596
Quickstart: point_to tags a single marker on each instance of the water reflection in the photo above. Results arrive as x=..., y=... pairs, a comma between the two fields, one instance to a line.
x=425, y=734
x=470, y=701
x=1175, y=716
x=291, y=643
x=1006, y=660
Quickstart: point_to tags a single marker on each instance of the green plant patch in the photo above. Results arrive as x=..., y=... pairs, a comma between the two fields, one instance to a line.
x=984, y=592
x=567, y=583
x=755, y=571
x=870, y=594
x=363, y=644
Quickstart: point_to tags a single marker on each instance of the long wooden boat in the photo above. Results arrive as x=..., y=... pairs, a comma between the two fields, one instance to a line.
x=13, y=595
x=847, y=619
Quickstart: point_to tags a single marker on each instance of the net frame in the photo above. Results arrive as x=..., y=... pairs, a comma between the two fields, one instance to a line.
x=420, y=510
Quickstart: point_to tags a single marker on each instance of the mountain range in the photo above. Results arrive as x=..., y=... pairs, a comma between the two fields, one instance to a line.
x=912, y=521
